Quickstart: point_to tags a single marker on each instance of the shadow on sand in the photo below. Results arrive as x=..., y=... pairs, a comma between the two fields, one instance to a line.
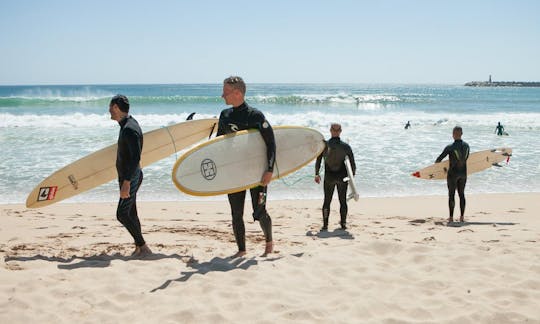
x=216, y=264
x=95, y=261
x=462, y=224
x=342, y=234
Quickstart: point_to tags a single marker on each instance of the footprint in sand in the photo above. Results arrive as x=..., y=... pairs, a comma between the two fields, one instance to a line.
x=491, y=241
x=13, y=266
x=466, y=230
x=417, y=222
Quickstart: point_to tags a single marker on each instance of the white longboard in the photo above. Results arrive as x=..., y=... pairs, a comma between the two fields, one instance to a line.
x=100, y=167
x=350, y=178
x=237, y=161
x=477, y=161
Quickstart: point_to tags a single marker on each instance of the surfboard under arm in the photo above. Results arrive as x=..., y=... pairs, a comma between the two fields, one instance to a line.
x=350, y=178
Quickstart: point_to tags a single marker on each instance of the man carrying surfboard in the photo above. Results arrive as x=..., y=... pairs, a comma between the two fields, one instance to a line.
x=241, y=116
x=335, y=172
x=130, y=176
x=458, y=153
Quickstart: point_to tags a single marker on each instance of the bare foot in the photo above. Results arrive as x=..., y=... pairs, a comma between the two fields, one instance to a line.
x=141, y=251
x=144, y=251
x=450, y=220
x=238, y=254
x=269, y=248
x=462, y=219
x=136, y=251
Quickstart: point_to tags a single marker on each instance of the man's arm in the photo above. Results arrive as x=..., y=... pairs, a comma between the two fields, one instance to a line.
x=319, y=160
x=318, y=164
x=267, y=134
x=443, y=155
x=134, y=150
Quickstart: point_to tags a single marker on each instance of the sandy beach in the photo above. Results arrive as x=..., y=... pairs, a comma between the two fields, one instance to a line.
x=399, y=262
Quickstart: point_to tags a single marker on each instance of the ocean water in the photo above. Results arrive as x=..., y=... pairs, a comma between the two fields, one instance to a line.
x=43, y=128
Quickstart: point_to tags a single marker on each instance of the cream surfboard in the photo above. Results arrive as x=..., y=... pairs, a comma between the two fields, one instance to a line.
x=235, y=162
x=476, y=162
x=100, y=167
x=350, y=179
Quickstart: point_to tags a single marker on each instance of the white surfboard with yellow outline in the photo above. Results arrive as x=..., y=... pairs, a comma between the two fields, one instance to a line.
x=237, y=161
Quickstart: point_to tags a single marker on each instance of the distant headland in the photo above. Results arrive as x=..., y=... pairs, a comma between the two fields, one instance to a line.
x=490, y=83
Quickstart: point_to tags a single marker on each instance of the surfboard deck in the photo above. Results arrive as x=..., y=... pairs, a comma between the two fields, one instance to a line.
x=237, y=161
x=350, y=179
x=100, y=167
x=477, y=161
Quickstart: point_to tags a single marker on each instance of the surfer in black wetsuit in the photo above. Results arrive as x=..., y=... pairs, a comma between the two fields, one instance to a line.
x=241, y=116
x=130, y=176
x=458, y=153
x=408, y=125
x=499, y=129
x=334, y=172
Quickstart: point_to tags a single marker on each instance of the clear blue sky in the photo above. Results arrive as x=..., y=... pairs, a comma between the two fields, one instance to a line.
x=103, y=42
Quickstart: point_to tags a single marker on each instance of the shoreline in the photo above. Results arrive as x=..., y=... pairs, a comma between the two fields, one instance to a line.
x=70, y=262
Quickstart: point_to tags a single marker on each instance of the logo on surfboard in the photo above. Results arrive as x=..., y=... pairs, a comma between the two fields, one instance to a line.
x=47, y=193
x=208, y=169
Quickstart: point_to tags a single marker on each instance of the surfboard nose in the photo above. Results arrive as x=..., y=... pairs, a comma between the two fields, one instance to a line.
x=416, y=174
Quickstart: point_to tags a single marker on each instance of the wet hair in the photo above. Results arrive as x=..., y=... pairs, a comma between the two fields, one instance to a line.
x=335, y=126
x=121, y=101
x=237, y=83
x=458, y=129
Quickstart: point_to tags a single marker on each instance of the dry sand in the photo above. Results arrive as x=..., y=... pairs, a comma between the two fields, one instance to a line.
x=398, y=262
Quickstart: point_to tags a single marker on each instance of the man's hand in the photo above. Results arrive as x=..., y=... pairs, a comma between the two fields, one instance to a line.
x=318, y=179
x=124, y=190
x=266, y=178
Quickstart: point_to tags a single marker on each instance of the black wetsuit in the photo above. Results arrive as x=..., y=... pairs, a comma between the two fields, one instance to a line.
x=334, y=171
x=458, y=153
x=130, y=143
x=240, y=118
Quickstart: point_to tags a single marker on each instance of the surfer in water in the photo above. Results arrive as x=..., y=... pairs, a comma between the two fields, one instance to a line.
x=130, y=176
x=334, y=172
x=499, y=129
x=241, y=116
x=458, y=153
x=408, y=125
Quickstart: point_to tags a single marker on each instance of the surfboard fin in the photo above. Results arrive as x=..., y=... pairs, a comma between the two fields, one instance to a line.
x=190, y=117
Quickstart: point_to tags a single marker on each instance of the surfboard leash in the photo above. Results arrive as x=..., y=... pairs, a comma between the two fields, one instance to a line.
x=296, y=181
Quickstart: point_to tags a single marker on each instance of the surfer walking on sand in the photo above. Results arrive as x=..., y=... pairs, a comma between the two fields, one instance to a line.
x=334, y=172
x=458, y=153
x=130, y=176
x=241, y=116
